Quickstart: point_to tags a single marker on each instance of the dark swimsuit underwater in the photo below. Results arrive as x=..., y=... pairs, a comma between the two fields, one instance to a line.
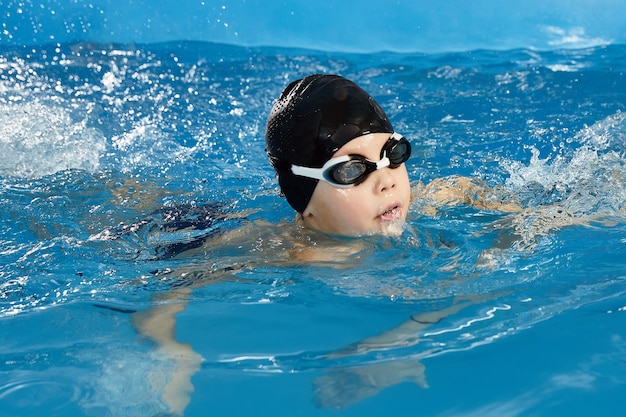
x=170, y=231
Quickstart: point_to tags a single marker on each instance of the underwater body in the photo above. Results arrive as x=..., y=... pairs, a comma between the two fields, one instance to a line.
x=121, y=161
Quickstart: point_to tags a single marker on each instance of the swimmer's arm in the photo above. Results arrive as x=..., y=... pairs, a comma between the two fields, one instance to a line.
x=518, y=230
x=158, y=323
x=456, y=190
x=344, y=386
x=406, y=334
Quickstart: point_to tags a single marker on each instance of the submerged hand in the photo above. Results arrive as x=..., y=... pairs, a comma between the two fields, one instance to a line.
x=177, y=390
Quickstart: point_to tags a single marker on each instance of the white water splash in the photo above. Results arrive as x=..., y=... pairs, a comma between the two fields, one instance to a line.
x=591, y=179
x=39, y=139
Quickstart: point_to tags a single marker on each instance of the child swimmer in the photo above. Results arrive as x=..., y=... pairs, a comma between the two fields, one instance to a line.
x=341, y=166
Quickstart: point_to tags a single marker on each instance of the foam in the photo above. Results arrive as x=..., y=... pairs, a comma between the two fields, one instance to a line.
x=589, y=179
x=39, y=139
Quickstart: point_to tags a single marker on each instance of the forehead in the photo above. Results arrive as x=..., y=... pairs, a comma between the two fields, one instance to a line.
x=367, y=145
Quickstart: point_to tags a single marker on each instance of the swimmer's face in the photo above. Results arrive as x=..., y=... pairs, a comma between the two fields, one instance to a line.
x=378, y=205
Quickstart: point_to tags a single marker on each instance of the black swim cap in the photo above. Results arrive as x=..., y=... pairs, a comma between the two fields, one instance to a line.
x=310, y=121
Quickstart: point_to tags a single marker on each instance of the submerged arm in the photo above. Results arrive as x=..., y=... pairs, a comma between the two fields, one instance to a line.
x=519, y=230
x=344, y=386
x=456, y=190
x=406, y=334
x=158, y=324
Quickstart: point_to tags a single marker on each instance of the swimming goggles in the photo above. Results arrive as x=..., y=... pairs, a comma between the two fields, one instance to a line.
x=349, y=170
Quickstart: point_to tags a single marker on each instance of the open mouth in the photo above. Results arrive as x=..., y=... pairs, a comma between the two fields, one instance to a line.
x=394, y=212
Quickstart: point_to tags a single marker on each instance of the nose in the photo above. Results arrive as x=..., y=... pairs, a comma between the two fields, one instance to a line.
x=385, y=180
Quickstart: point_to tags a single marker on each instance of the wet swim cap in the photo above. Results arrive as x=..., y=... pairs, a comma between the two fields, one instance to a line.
x=310, y=121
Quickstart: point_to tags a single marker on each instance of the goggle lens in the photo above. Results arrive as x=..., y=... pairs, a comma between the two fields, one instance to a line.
x=349, y=172
x=399, y=152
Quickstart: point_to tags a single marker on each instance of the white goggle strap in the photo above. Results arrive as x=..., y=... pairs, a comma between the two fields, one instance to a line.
x=318, y=173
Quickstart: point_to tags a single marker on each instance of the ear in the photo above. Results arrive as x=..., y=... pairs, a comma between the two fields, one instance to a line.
x=308, y=217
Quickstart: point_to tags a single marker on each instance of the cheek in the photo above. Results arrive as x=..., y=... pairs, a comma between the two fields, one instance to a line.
x=345, y=209
x=402, y=181
x=356, y=207
x=345, y=202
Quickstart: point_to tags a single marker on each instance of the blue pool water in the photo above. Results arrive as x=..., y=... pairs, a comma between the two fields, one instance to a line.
x=103, y=143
